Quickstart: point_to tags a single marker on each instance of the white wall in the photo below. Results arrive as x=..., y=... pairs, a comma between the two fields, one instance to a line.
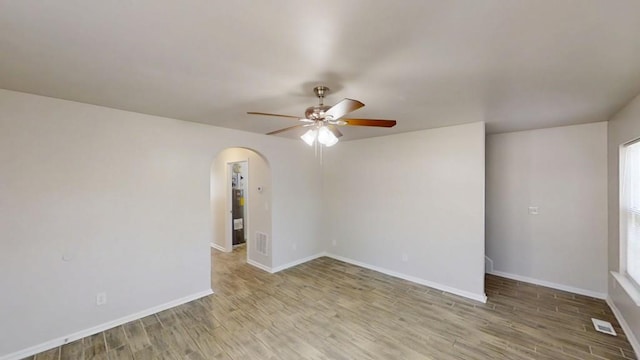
x=258, y=204
x=419, y=194
x=623, y=127
x=127, y=196
x=562, y=171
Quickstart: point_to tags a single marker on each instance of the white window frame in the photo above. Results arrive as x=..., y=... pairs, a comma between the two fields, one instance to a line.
x=628, y=283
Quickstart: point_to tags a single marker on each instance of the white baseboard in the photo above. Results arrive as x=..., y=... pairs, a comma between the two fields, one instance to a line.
x=218, y=247
x=297, y=262
x=477, y=297
x=549, y=284
x=285, y=266
x=627, y=329
x=102, y=327
x=259, y=266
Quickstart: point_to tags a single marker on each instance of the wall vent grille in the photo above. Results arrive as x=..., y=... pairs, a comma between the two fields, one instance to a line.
x=261, y=243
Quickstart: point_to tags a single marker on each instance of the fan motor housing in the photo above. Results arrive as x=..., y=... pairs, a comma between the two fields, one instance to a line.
x=316, y=112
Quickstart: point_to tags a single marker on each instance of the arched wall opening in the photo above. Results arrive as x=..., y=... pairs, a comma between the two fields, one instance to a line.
x=257, y=202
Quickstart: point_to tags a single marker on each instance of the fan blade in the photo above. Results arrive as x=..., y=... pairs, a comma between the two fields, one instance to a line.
x=370, y=122
x=334, y=130
x=285, y=129
x=268, y=114
x=343, y=108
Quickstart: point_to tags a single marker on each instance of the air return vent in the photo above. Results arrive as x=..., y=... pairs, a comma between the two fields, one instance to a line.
x=603, y=326
x=261, y=242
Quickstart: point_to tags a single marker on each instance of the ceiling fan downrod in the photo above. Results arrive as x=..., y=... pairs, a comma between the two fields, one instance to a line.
x=316, y=113
x=320, y=91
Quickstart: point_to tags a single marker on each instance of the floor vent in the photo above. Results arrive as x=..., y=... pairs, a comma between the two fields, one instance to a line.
x=603, y=326
x=261, y=243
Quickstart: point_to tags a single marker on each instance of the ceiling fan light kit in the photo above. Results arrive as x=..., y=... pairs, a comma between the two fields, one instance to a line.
x=309, y=137
x=324, y=120
x=326, y=137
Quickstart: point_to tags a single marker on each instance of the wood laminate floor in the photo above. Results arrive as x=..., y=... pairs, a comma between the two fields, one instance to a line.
x=327, y=309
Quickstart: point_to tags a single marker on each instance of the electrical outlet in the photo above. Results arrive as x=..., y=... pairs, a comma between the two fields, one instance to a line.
x=405, y=257
x=101, y=298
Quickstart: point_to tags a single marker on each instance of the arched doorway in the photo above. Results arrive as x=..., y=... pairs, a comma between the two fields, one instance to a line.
x=252, y=189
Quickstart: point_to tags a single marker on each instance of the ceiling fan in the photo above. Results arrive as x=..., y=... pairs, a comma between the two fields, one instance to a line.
x=323, y=120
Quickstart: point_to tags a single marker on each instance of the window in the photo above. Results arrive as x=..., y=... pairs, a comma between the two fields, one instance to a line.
x=630, y=211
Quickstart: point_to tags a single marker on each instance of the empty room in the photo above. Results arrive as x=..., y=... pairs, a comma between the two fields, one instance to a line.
x=319, y=179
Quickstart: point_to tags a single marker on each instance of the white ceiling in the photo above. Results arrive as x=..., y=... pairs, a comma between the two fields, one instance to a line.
x=515, y=64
